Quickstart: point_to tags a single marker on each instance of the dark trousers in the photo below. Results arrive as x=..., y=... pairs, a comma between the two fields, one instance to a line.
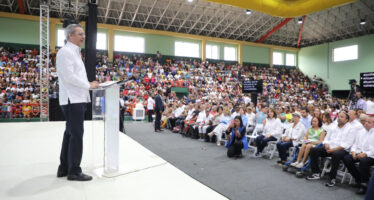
x=173, y=121
x=235, y=149
x=262, y=142
x=282, y=149
x=362, y=174
x=72, y=144
x=158, y=120
x=336, y=157
x=150, y=113
x=121, y=119
x=179, y=121
x=370, y=190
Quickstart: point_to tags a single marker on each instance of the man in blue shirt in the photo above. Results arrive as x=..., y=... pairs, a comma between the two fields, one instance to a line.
x=360, y=104
x=305, y=119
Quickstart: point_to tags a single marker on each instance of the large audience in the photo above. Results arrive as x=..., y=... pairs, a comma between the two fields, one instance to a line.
x=19, y=83
x=292, y=111
x=294, y=114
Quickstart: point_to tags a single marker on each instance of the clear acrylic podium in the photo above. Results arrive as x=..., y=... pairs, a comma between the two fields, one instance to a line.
x=105, y=129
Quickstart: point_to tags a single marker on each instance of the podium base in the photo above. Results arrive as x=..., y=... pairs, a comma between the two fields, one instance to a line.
x=101, y=172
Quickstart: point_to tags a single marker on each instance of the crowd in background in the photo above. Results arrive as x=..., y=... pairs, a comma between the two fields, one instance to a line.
x=292, y=109
x=19, y=83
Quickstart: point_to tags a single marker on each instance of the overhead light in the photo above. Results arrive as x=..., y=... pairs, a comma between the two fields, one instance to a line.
x=300, y=21
x=363, y=22
x=190, y=1
x=248, y=12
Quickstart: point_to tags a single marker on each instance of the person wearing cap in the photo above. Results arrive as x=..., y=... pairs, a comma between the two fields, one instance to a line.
x=362, y=152
x=291, y=138
x=313, y=137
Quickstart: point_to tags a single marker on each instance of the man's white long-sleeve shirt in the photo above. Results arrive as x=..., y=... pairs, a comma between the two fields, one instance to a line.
x=296, y=133
x=364, y=143
x=151, y=103
x=342, y=137
x=72, y=76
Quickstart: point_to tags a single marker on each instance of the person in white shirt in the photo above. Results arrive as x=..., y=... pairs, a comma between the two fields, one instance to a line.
x=204, y=124
x=362, y=152
x=215, y=118
x=336, y=144
x=74, y=95
x=150, y=106
x=201, y=118
x=251, y=120
x=222, y=126
x=291, y=138
x=272, y=132
x=177, y=113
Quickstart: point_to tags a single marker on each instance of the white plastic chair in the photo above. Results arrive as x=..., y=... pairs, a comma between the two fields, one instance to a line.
x=251, y=138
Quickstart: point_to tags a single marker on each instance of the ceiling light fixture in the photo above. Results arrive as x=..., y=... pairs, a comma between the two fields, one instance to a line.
x=300, y=21
x=248, y=12
x=363, y=22
x=190, y=1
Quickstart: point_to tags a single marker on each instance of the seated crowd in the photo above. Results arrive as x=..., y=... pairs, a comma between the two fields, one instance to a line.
x=19, y=83
x=292, y=111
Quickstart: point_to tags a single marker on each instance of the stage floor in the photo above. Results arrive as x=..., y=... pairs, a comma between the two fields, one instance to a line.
x=29, y=157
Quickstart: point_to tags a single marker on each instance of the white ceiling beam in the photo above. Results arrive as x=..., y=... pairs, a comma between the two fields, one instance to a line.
x=149, y=13
x=136, y=12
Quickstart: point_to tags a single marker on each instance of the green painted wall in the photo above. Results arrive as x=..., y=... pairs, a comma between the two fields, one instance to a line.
x=317, y=60
x=15, y=33
x=19, y=31
x=254, y=54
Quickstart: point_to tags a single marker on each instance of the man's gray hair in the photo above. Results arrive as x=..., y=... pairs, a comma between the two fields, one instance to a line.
x=70, y=30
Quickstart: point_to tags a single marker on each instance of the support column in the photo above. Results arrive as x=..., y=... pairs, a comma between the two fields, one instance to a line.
x=271, y=57
x=240, y=54
x=110, y=41
x=52, y=36
x=203, y=50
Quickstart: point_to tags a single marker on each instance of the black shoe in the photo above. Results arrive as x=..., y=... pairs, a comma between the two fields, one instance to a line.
x=315, y=176
x=61, y=174
x=281, y=162
x=331, y=183
x=79, y=177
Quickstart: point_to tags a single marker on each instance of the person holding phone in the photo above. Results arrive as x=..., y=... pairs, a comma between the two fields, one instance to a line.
x=236, y=137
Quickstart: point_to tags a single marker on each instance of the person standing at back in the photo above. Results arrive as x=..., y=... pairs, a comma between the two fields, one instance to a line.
x=150, y=105
x=159, y=108
x=73, y=97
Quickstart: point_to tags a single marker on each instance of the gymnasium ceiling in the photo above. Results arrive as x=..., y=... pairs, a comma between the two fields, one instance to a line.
x=216, y=20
